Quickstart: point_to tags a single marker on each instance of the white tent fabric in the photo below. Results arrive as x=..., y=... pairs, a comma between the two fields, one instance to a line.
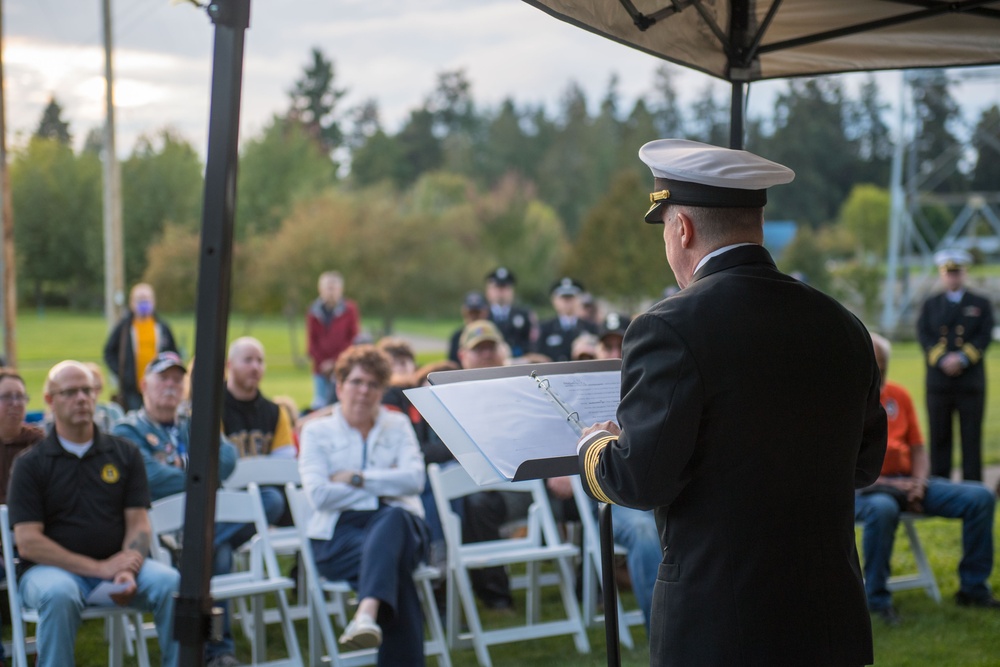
x=750, y=40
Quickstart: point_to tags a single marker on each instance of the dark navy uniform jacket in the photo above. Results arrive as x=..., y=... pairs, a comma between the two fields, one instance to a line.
x=966, y=327
x=517, y=329
x=750, y=413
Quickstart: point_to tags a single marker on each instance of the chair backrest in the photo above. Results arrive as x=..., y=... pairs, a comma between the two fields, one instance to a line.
x=167, y=516
x=453, y=482
x=264, y=470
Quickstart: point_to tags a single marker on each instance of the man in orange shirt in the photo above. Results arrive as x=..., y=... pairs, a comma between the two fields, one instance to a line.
x=904, y=485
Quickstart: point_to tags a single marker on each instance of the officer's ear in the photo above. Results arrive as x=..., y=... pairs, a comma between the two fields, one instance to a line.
x=687, y=231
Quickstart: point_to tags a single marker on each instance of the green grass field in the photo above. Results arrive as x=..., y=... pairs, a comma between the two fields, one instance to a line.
x=931, y=634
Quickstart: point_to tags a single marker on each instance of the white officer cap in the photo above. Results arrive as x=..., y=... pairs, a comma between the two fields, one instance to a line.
x=952, y=258
x=696, y=174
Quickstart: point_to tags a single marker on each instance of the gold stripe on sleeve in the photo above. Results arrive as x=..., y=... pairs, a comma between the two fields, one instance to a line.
x=591, y=459
x=935, y=353
x=972, y=353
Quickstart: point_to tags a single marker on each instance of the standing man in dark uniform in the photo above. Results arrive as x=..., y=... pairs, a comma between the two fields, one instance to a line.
x=749, y=414
x=516, y=323
x=556, y=336
x=954, y=328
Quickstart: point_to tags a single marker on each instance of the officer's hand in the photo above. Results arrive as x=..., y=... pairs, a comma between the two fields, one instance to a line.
x=952, y=364
x=610, y=427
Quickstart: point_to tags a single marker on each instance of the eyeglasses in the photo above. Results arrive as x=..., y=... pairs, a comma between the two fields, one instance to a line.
x=73, y=391
x=14, y=398
x=357, y=383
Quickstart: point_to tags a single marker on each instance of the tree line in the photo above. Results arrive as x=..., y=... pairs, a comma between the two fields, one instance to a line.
x=415, y=217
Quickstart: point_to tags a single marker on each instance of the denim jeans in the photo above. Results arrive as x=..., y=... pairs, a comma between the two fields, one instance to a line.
x=636, y=531
x=59, y=597
x=322, y=391
x=971, y=502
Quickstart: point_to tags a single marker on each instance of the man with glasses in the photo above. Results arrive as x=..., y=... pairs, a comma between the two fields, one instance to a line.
x=954, y=329
x=78, y=504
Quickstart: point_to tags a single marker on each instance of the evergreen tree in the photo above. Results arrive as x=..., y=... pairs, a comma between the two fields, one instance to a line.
x=810, y=137
x=938, y=150
x=277, y=167
x=986, y=140
x=161, y=184
x=566, y=173
x=56, y=197
x=709, y=119
x=867, y=125
x=621, y=256
x=52, y=126
x=314, y=100
x=665, y=107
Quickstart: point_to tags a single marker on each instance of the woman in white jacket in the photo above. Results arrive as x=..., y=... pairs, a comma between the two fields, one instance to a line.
x=363, y=472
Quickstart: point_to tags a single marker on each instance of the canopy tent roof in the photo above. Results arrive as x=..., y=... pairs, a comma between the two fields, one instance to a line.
x=751, y=40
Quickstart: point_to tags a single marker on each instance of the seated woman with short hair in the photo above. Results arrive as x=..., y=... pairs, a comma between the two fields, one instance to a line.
x=362, y=471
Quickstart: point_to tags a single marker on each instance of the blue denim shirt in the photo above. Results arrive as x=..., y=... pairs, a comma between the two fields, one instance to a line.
x=165, y=453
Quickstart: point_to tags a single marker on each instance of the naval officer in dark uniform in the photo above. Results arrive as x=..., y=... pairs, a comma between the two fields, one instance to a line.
x=556, y=336
x=749, y=414
x=517, y=324
x=954, y=329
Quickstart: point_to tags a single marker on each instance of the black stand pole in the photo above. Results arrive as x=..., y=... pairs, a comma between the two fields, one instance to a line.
x=192, y=620
x=610, y=589
x=736, y=115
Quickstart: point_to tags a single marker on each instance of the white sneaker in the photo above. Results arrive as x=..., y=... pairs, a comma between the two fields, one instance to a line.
x=362, y=632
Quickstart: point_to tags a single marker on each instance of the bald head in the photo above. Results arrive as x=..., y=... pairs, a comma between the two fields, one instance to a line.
x=69, y=393
x=245, y=365
x=883, y=350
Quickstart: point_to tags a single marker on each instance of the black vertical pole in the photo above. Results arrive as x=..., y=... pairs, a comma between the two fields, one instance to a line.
x=736, y=116
x=610, y=588
x=192, y=620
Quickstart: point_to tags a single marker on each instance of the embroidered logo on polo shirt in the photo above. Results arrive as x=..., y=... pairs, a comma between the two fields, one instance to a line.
x=110, y=474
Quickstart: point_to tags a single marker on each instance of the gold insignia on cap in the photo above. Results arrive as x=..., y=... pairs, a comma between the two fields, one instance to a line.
x=658, y=196
x=110, y=474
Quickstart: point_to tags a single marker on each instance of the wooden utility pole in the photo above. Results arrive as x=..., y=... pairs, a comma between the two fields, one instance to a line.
x=114, y=262
x=8, y=276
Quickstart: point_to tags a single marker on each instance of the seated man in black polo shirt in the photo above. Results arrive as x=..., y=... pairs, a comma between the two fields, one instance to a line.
x=78, y=502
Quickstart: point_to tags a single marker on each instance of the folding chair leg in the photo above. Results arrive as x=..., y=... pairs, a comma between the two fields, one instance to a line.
x=923, y=566
x=434, y=624
x=472, y=618
x=566, y=586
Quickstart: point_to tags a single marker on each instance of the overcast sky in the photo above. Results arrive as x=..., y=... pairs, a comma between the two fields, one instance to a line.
x=389, y=50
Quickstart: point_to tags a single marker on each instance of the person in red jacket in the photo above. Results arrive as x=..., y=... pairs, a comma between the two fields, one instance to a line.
x=332, y=324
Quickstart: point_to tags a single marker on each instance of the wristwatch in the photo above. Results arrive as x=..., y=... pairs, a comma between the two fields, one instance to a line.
x=357, y=480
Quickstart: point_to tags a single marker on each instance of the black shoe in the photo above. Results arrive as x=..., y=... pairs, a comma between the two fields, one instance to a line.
x=889, y=616
x=985, y=601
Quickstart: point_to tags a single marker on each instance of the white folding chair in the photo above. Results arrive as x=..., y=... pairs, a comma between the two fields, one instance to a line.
x=541, y=544
x=263, y=576
x=269, y=471
x=591, y=570
x=115, y=618
x=924, y=577
x=327, y=597
x=263, y=470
